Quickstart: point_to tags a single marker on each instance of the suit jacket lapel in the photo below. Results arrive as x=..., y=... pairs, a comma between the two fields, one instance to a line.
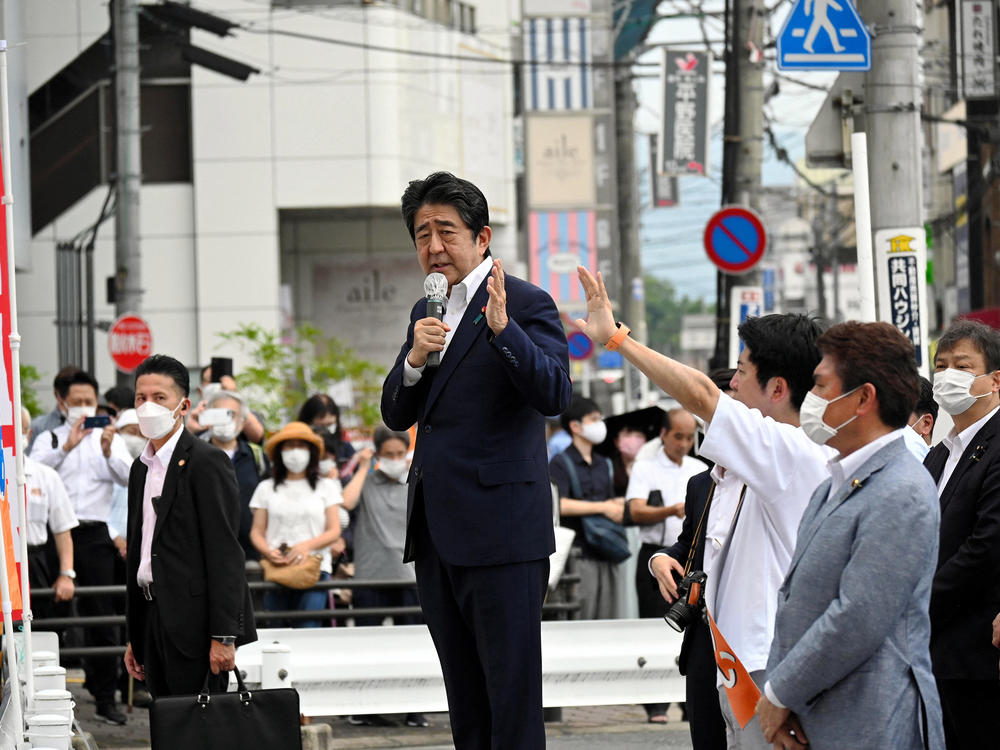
x=460, y=343
x=178, y=463
x=979, y=441
x=851, y=483
x=137, y=485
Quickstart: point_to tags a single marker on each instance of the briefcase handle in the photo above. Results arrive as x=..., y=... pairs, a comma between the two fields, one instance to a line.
x=205, y=697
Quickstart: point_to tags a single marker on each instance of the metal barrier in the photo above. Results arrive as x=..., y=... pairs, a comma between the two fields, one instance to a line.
x=345, y=671
x=551, y=610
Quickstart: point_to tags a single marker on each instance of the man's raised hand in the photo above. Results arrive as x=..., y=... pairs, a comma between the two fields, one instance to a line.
x=600, y=323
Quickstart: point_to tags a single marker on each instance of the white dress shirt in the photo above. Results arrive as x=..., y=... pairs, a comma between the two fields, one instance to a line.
x=661, y=473
x=156, y=471
x=458, y=303
x=781, y=467
x=842, y=470
x=49, y=507
x=89, y=477
x=957, y=443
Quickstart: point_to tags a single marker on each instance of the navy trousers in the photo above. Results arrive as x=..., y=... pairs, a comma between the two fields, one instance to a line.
x=486, y=625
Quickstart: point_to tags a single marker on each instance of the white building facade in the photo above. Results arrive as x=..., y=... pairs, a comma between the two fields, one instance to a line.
x=289, y=207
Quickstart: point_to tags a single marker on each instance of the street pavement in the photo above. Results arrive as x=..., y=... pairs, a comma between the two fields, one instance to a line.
x=582, y=728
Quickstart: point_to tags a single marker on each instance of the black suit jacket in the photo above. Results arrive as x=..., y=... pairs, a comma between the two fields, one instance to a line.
x=197, y=562
x=698, y=488
x=480, y=457
x=965, y=596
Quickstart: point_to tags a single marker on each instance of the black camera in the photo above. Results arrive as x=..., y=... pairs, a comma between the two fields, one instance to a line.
x=690, y=601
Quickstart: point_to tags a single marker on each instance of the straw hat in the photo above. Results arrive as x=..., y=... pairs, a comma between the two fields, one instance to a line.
x=294, y=431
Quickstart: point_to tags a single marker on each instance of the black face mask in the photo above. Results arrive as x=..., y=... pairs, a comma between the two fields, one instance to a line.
x=321, y=429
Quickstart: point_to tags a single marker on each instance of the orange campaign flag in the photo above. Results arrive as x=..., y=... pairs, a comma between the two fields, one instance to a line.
x=13, y=581
x=743, y=693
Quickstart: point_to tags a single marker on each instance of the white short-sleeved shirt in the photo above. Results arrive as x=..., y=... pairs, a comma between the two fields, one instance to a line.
x=781, y=467
x=296, y=512
x=660, y=473
x=49, y=507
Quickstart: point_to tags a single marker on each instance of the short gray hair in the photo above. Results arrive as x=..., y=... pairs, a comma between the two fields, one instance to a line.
x=232, y=395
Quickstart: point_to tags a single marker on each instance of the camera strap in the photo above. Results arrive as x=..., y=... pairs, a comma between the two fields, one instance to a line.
x=698, y=539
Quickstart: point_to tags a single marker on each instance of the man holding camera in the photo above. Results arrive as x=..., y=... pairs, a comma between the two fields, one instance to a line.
x=850, y=662
x=766, y=471
x=90, y=458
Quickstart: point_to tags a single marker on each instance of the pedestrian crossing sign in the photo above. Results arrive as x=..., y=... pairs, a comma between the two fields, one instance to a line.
x=824, y=35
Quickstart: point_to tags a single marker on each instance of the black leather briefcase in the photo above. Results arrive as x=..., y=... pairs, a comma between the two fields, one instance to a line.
x=243, y=719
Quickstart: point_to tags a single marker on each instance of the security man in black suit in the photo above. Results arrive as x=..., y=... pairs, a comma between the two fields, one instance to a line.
x=965, y=594
x=187, y=600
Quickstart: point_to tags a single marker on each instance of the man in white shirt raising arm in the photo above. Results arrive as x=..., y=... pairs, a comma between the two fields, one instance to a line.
x=755, y=439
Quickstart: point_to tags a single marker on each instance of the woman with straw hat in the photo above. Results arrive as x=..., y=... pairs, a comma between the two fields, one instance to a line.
x=296, y=515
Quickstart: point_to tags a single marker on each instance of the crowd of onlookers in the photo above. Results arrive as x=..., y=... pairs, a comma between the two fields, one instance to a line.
x=312, y=508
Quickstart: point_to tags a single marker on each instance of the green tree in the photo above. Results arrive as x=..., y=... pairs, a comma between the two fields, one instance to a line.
x=29, y=396
x=664, y=313
x=285, y=371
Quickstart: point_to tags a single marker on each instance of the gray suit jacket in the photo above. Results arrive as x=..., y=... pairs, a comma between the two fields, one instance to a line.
x=850, y=653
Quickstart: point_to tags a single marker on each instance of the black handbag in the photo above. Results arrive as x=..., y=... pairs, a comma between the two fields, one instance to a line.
x=246, y=718
x=606, y=537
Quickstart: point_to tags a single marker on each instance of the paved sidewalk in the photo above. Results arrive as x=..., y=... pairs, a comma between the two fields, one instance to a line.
x=575, y=721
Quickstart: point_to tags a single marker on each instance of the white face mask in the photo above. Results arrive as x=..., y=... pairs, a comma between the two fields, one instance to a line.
x=394, y=468
x=295, y=459
x=157, y=421
x=134, y=444
x=594, y=432
x=226, y=431
x=75, y=412
x=951, y=390
x=326, y=465
x=811, y=417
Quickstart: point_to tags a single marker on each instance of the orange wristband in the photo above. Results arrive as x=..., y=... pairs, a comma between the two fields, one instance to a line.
x=615, y=341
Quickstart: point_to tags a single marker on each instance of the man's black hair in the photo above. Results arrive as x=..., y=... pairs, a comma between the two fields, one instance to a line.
x=668, y=417
x=578, y=408
x=80, y=377
x=384, y=434
x=984, y=339
x=784, y=345
x=161, y=364
x=925, y=402
x=63, y=379
x=444, y=188
x=120, y=397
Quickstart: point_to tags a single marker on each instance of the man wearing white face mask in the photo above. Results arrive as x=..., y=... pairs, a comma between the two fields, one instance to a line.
x=187, y=600
x=91, y=462
x=586, y=488
x=966, y=593
x=850, y=655
x=249, y=461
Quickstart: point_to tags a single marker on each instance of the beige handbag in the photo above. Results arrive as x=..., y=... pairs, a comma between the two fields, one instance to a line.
x=303, y=575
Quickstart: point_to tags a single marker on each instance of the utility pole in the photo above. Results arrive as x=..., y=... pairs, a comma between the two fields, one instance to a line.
x=892, y=121
x=743, y=138
x=128, y=178
x=632, y=288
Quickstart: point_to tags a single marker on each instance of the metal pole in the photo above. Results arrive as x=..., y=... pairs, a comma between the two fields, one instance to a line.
x=128, y=179
x=892, y=115
x=632, y=296
x=863, y=226
x=20, y=495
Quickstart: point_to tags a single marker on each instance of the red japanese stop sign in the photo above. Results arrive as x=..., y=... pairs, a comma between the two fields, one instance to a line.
x=129, y=342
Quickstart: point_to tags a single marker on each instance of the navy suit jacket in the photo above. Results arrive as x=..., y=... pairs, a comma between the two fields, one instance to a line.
x=480, y=459
x=965, y=596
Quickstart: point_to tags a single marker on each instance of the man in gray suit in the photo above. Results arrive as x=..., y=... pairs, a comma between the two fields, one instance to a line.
x=850, y=663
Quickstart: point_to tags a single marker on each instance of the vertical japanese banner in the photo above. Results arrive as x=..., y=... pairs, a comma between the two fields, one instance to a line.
x=901, y=280
x=684, y=126
x=11, y=511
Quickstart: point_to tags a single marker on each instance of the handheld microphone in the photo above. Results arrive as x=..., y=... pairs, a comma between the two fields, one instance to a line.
x=436, y=291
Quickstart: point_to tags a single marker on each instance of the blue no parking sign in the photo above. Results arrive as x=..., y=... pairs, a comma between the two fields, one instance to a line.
x=735, y=239
x=580, y=347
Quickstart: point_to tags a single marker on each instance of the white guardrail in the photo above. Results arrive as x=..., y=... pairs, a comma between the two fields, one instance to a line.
x=370, y=670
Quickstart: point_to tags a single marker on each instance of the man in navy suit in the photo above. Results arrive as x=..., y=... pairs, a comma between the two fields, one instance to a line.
x=479, y=514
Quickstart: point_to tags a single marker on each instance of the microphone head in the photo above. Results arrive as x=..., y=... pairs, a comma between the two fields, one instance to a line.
x=436, y=286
